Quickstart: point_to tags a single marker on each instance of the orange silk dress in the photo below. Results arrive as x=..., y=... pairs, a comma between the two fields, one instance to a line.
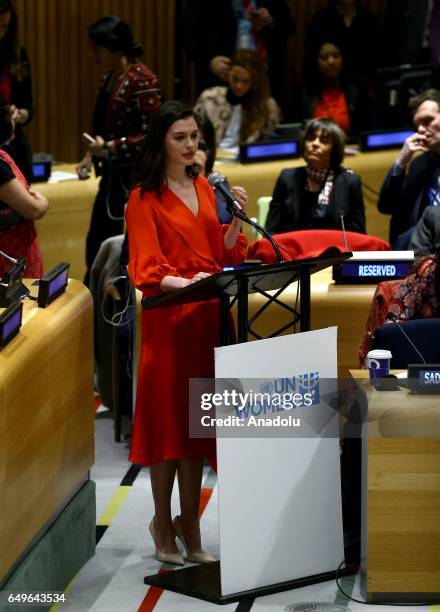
x=166, y=238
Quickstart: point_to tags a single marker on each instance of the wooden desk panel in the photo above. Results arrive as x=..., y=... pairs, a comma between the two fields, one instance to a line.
x=401, y=495
x=62, y=231
x=46, y=417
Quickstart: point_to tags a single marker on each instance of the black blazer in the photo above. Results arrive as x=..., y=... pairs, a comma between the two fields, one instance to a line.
x=404, y=196
x=289, y=199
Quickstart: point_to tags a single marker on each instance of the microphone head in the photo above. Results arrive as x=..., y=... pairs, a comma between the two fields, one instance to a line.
x=215, y=179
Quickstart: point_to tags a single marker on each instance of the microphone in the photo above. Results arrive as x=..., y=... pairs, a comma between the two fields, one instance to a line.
x=344, y=232
x=215, y=180
x=8, y=257
x=392, y=317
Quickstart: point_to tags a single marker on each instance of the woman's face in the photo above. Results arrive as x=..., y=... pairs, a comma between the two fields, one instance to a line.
x=240, y=81
x=318, y=149
x=181, y=142
x=103, y=56
x=5, y=20
x=330, y=61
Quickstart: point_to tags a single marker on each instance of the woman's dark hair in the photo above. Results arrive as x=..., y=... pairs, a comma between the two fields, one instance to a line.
x=255, y=110
x=336, y=135
x=207, y=135
x=116, y=36
x=6, y=125
x=312, y=76
x=10, y=53
x=150, y=167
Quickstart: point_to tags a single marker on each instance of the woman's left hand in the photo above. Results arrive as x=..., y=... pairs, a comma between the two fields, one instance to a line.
x=241, y=195
x=97, y=148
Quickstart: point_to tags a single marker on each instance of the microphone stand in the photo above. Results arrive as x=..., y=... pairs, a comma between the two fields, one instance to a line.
x=240, y=214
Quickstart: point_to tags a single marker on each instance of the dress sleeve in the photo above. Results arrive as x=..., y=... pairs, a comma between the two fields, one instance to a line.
x=145, y=98
x=146, y=265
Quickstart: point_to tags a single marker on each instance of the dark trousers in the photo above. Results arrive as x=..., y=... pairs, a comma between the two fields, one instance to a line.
x=108, y=210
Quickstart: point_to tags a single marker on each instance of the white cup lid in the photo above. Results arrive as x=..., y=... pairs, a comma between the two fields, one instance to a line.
x=380, y=354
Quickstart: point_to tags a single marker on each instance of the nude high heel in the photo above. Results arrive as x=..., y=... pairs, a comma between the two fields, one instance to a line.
x=173, y=558
x=193, y=557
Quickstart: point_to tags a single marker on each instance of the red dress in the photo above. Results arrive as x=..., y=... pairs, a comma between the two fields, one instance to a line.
x=165, y=238
x=21, y=239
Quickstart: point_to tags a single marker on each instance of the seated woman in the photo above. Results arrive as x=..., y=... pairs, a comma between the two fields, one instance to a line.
x=418, y=294
x=243, y=111
x=320, y=194
x=329, y=93
x=20, y=206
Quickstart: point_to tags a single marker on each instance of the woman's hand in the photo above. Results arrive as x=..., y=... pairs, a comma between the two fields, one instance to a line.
x=84, y=167
x=198, y=276
x=241, y=194
x=19, y=115
x=173, y=283
x=98, y=148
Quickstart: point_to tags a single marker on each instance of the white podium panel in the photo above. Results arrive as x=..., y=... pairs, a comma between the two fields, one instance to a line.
x=279, y=498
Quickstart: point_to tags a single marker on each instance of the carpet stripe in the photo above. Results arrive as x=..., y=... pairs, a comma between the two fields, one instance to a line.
x=131, y=475
x=113, y=506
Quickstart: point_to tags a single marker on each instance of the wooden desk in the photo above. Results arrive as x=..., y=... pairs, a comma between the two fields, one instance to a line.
x=62, y=231
x=400, y=495
x=46, y=418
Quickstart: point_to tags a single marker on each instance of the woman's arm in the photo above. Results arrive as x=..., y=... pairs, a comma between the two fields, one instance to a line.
x=30, y=204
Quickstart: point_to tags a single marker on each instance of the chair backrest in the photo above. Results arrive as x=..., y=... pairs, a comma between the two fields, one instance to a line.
x=424, y=333
x=263, y=204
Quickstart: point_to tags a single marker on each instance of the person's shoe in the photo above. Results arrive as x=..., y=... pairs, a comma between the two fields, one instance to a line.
x=173, y=558
x=193, y=557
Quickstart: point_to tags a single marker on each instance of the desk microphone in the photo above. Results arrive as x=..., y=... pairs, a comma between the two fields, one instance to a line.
x=8, y=257
x=344, y=232
x=392, y=317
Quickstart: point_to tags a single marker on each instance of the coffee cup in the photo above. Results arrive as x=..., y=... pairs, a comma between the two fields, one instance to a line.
x=378, y=363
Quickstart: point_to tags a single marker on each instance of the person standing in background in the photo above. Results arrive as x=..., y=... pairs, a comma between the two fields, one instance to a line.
x=214, y=30
x=15, y=86
x=128, y=94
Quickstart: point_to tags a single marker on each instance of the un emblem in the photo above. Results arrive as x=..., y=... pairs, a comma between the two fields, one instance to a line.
x=266, y=387
x=309, y=383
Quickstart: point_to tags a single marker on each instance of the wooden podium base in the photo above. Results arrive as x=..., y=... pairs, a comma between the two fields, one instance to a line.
x=203, y=582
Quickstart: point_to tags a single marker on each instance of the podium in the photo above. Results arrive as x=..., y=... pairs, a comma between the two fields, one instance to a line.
x=204, y=581
x=234, y=284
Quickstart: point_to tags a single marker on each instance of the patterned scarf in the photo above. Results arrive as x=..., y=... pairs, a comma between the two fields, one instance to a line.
x=326, y=178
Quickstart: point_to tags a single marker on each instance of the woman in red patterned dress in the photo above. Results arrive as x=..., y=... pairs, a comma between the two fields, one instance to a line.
x=20, y=206
x=174, y=240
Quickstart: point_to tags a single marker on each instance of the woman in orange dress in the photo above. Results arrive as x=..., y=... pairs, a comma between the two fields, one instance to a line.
x=175, y=239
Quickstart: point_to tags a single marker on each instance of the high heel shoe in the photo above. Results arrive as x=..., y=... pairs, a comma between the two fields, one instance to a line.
x=173, y=558
x=193, y=557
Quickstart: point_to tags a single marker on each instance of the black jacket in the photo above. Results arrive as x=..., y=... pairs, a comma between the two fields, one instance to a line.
x=289, y=200
x=404, y=195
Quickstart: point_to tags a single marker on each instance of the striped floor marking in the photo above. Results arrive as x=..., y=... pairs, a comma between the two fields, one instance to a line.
x=154, y=593
x=111, y=510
